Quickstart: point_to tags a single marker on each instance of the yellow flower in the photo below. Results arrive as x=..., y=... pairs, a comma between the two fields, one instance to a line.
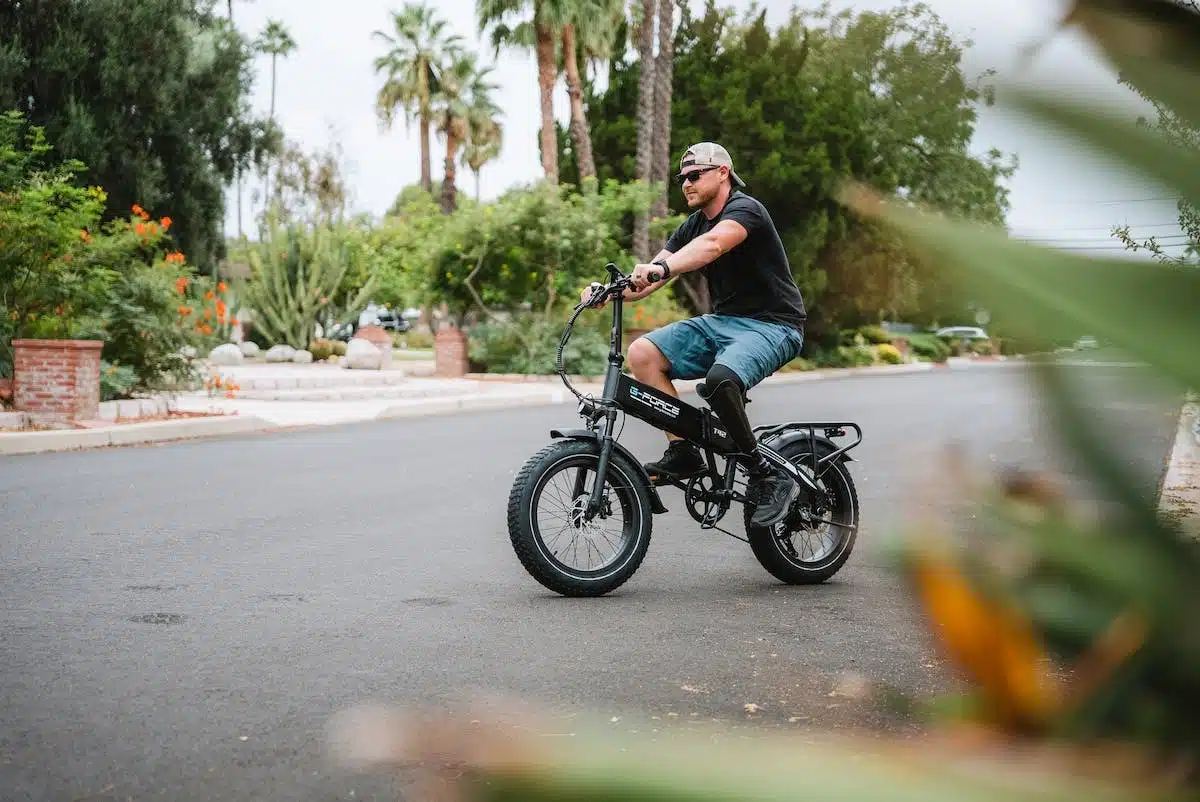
x=993, y=645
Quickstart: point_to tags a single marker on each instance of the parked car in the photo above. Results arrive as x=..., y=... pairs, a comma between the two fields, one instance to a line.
x=963, y=333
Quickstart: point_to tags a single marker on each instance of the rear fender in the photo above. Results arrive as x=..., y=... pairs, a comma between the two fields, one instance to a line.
x=585, y=434
x=823, y=445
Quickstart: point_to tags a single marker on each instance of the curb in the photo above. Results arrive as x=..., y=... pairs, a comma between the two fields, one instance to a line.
x=442, y=406
x=130, y=434
x=1179, y=495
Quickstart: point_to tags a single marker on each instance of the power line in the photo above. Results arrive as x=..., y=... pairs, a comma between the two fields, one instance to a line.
x=1087, y=201
x=1174, y=224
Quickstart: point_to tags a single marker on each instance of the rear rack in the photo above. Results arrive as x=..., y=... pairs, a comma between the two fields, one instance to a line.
x=831, y=430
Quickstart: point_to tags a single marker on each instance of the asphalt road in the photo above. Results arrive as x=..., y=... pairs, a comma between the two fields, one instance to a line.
x=179, y=622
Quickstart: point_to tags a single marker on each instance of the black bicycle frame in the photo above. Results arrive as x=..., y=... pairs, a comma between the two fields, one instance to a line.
x=699, y=425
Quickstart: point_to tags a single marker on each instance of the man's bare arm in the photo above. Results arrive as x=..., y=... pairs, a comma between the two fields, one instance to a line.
x=634, y=295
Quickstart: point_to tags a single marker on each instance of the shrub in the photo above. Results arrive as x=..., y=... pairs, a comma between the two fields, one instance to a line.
x=339, y=348
x=415, y=339
x=889, y=353
x=798, y=365
x=321, y=349
x=848, y=338
x=860, y=356
x=116, y=381
x=928, y=348
x=875, y=335
x=981, y=347
x=529, y=345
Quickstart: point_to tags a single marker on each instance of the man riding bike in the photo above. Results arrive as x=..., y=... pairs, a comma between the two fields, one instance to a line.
x=756, y=327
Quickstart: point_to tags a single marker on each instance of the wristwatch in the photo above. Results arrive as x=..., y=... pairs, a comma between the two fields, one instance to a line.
x=666, y=268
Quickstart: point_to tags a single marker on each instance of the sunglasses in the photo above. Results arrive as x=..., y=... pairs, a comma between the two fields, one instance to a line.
x=693, y=176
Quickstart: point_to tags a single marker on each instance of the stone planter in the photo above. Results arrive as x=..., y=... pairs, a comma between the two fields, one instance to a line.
x=57, y=382
x=450, y=353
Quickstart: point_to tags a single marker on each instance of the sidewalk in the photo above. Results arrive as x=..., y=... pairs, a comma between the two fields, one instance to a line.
x=1179, y=496
x=283, y=396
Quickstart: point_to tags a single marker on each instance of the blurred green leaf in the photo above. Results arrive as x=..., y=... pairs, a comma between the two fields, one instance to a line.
x=1116, y=137
x=779, y=769
x=1153, y=44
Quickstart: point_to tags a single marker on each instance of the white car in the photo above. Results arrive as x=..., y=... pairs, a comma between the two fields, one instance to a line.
x=963, y=332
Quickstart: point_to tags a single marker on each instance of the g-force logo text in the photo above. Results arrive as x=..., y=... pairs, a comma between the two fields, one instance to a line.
x=654, y=403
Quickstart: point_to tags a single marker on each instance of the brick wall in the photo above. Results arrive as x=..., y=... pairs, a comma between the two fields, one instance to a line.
x=57, y=381
x=450, y=353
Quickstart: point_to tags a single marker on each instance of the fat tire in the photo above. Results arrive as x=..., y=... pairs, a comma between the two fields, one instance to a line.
x=766, y=547
x=525, y=540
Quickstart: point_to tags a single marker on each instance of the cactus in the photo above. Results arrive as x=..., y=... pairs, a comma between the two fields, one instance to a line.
x=297, y=275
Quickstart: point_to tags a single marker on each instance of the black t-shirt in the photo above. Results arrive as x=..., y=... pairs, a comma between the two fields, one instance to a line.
x=753, y=279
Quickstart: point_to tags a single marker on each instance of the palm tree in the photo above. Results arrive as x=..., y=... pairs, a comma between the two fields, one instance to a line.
x=485, y=135
x=590, y=26
x=275, y=41
x=239, y=170
x=417, y=49
x=541, y=32
x=645, y=131
x=660, y=164
x=463, y=89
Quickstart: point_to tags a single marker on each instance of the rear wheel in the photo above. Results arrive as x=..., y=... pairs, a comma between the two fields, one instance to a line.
x=816, y=538
x=556, y=546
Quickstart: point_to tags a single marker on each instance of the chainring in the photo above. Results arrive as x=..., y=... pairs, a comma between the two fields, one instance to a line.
x=706, y=512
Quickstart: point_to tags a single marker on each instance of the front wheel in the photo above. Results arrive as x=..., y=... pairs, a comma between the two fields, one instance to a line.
x=814, y=541
x=561, y=550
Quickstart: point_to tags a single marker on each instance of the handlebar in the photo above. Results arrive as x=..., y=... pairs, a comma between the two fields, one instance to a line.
x=619, y=283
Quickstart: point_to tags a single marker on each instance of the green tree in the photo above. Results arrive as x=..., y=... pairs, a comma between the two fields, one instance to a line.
x=167, y=130
x=418, y=48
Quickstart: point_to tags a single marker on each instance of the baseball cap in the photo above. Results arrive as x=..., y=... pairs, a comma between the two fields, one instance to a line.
x=709, y=154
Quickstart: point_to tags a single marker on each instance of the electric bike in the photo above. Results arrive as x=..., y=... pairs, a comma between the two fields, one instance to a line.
x=606, y=521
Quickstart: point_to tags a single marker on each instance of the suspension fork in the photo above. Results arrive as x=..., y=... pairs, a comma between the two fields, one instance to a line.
x=606, y=448
x=615, y=360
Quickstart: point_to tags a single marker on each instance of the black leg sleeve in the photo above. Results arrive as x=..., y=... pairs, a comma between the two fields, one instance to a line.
x=724, y=392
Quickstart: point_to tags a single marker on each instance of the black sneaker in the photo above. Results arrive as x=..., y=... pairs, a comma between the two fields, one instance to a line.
x=771, y=495
x=682, y=460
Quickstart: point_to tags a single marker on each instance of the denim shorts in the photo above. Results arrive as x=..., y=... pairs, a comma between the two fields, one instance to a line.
x=753, y=349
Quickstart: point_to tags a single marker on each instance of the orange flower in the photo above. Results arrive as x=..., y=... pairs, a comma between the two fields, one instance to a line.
x=233, y=321
x=138, y=210
x=184, y=310
x=208, y=296
x=83, y=235
x=181, y=284
x=221, y=286
x=166, y=223
x=221, y=308
x=140, y=229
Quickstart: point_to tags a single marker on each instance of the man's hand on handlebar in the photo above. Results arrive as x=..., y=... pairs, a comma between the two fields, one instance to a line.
x=585, y=295
x=645, y=275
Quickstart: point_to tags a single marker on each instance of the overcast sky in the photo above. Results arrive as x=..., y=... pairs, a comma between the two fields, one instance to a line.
x=327, y=87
